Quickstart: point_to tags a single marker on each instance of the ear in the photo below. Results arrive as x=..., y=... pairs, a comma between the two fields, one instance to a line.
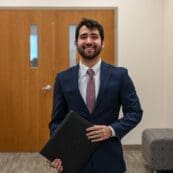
x=103, y=45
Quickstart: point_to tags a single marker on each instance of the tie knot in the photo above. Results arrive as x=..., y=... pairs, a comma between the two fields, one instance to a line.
x=90, y=72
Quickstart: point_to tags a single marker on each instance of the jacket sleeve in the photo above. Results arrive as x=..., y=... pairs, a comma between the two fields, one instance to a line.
x=132, y=111
x=59, y=109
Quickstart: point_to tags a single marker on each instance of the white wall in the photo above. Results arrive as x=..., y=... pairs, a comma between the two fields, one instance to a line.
x=145, y=39
x=141, y=51
x=168, y=61
x=58, y=3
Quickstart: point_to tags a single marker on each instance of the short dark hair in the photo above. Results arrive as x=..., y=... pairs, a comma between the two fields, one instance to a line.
x=91, y=24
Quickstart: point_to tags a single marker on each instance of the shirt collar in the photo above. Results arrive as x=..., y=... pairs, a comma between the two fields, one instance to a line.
x=84, y=68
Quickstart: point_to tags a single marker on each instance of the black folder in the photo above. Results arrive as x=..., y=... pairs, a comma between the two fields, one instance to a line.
x=70, y=143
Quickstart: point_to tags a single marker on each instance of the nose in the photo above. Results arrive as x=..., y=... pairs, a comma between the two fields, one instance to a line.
x=89, y=40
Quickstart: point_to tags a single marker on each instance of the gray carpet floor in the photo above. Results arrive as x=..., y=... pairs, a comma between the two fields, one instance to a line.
x=35, y=163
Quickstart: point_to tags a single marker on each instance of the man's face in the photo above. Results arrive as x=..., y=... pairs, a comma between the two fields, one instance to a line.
x=89, y=43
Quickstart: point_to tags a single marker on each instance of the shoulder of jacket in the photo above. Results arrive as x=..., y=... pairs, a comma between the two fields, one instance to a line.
x=66, y=71
x=114, y=67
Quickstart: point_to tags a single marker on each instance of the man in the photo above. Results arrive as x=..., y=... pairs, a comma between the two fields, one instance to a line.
x=113, y=88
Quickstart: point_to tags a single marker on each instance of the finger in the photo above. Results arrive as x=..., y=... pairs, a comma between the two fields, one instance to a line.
x=59, y=169
x=55, y=163
x=93, y=128
x=94, y=132
x=98, y=135
x=59, y=166
x=94, y=136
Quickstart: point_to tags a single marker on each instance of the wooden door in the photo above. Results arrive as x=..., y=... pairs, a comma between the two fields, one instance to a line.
x=25, y=102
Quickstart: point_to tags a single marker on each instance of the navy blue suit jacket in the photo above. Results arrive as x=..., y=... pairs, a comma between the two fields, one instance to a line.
x=116, y=90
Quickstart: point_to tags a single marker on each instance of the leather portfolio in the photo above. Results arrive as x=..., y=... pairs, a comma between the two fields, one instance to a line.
x=70, y=143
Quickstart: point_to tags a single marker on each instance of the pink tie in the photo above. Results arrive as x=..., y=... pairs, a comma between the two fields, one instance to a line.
x=90, y=91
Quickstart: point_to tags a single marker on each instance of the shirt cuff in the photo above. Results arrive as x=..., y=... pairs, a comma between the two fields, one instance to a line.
x=113, y=131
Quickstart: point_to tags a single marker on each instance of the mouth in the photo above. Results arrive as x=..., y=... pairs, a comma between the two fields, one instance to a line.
x=89, y=49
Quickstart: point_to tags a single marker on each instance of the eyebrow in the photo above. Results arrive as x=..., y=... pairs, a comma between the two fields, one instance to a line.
x=93, y=34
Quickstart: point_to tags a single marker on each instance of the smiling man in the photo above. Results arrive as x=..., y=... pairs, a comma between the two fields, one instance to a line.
x=97, y=91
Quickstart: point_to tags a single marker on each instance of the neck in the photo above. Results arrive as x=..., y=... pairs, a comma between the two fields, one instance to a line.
x=90, y=63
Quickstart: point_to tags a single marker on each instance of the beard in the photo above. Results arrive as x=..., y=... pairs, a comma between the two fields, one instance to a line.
x=89, y=55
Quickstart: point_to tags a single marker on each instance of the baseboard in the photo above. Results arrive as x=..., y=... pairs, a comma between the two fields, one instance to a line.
x=132, y=146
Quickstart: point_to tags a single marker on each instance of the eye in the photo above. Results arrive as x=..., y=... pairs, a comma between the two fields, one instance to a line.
x=83, y=37
x=94, y=36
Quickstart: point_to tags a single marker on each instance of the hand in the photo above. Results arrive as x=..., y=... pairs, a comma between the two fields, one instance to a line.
x=98, y=133
x=57, y=164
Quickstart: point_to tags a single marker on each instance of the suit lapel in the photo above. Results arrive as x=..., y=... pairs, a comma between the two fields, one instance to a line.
x=104, y=80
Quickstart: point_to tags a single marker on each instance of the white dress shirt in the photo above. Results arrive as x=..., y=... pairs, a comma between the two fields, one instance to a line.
x=83, y=78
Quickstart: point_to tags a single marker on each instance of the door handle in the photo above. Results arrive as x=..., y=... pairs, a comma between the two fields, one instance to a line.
x=47, y=88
